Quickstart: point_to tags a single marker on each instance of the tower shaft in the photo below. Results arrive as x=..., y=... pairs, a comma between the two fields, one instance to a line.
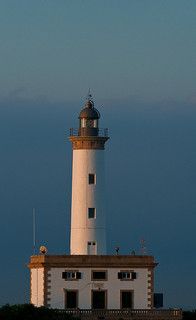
x=88, y=235
x=88, y=200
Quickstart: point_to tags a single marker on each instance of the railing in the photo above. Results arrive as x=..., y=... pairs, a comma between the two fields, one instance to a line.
x=102, y=132
x=140, y=314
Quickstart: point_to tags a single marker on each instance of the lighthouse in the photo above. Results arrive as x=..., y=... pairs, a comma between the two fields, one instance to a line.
x=90, y=283
x=88, y=234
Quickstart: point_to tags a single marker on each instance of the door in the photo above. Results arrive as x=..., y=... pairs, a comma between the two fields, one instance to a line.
x=71, y=299
x=98, y=299
x=126, y=299
x=92, y=248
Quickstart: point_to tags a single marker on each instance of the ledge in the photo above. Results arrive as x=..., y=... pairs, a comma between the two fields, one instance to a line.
x=83, y=261
x=91, y=142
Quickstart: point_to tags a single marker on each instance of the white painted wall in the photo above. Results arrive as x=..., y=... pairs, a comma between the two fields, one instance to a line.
x=37, y=286
x=86, y=196
x=113, y=286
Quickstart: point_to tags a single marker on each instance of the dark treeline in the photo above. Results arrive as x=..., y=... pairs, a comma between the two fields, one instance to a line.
x=189, y=315
x=29, y=312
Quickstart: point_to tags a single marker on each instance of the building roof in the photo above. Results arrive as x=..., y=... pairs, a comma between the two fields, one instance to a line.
x=92, y=261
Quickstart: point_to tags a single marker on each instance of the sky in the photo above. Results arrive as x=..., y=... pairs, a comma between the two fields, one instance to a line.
x=138, y=58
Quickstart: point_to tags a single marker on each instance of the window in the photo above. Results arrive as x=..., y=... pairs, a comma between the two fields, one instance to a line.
x=127, y=275
x=99, y=275
x=82, y=123
x=91, y=243
x=91, y=178
x=90, y=123
x=91, y=213
x=96, y=122
x=126, y=298
x=71, y=275
x=71, y=299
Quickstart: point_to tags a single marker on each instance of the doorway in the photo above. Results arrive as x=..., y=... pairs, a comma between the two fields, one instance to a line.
x=98, y=299
x=71, y=299
x=126, y=299
x=92, y=248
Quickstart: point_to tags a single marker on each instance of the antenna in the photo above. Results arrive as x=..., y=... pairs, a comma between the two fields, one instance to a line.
x=117, y=250
x=143, y=246
x=34, y=232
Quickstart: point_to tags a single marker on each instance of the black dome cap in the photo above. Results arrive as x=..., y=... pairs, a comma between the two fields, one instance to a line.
x=89, y=112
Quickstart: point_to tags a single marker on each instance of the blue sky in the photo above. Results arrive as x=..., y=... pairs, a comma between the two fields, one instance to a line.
x=138, y=57
x=144, y=49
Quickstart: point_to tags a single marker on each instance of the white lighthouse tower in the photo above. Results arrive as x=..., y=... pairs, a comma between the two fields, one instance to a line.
x=89, y=283
x=88, y=236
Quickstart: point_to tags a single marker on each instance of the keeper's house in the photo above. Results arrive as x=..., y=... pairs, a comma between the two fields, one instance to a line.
x=92, y=281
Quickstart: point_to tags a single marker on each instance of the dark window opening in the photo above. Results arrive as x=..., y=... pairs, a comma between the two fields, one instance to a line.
x=71, y=275
x=98, y=299
x=127, y=275
x=99, y=275
x=71, y=299
x=91, y=178
x=91, y=213
x=158, y=300
x=90, y=123
x=126, y=299
x=91, y=243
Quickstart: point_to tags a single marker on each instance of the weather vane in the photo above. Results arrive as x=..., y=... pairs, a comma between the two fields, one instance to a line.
x=89, y=95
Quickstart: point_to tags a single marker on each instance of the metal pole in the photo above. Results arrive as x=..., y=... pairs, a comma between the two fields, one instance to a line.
x=34, y=233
